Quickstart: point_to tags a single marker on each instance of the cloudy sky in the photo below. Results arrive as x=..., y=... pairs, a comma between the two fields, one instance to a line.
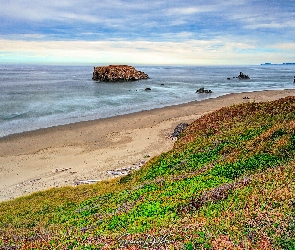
x=195, y=32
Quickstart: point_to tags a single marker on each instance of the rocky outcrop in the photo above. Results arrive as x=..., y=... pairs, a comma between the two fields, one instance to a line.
x=178, y=130
x=243, y=76
x=203, y=90
x=115, y=73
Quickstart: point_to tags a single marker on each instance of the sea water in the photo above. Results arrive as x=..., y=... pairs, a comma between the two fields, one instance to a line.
x=38, y=96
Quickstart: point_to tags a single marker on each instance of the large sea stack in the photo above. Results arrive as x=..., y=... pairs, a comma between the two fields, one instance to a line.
x=115, y=73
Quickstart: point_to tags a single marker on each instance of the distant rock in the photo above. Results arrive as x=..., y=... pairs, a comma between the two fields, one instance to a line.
x=115, y=73
x=148, y=89
x=243, y=76
x=203, y=90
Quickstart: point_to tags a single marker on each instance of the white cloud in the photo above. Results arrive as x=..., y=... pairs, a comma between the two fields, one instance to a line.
x=180, y=36
x=263, y=16
x=191, y=52
x=271, y=24
x=163, y=31
x=88, y=11
x=191, y=10
x=285, y=46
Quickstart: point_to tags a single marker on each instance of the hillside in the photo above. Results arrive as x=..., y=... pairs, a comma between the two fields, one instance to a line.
x=228, y=183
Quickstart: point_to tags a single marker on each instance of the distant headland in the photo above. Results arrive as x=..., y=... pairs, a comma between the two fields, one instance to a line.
x=290, y=63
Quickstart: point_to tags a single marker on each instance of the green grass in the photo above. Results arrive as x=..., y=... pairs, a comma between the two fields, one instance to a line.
x=228, y=183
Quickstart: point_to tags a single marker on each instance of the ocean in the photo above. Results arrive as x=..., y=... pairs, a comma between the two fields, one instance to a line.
x=38, y=96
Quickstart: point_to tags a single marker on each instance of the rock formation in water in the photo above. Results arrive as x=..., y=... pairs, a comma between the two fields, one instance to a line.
x=243, y=76
x=115, y=73
x=203, y=90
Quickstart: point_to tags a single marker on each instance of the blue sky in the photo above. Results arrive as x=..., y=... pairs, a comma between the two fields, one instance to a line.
x=210, y=32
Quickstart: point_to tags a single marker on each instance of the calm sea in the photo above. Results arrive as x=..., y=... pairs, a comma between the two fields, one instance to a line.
x=33, y=97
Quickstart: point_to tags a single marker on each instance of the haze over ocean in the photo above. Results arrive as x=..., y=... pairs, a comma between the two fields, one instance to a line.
x=35, y=96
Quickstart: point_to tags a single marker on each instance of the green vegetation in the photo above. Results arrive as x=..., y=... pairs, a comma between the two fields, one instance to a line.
x=228, y=183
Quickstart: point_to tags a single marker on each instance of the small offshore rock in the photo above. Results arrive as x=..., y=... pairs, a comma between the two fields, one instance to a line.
x=243, y=76
x=148, y=89
x=203, y=90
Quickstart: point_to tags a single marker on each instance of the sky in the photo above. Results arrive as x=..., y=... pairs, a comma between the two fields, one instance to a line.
x=153, y=32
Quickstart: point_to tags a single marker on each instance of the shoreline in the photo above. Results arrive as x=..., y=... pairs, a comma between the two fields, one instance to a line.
x=85, y=122
x=61, y=155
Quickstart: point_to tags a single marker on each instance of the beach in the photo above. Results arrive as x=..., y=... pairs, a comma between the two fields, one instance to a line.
x=64, y=155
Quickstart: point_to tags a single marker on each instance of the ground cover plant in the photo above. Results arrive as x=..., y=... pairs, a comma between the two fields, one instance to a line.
x=228, y=183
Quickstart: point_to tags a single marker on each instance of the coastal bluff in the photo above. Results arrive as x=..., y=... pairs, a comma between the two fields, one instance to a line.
x=117, y=73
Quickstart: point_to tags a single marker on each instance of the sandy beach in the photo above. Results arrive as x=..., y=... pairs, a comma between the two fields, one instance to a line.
x=63, y=155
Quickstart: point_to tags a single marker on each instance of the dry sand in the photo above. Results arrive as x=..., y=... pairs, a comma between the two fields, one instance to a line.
x=62, y=155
